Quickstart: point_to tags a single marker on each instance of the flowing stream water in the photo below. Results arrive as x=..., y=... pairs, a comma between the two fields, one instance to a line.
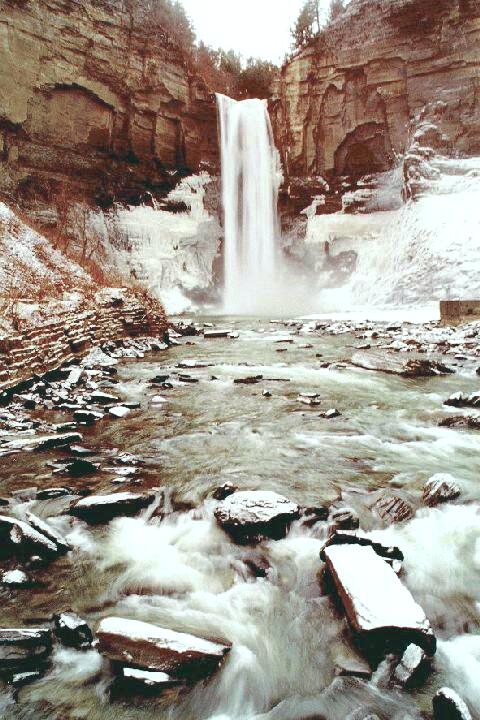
x=183, y=572
x=250, y=182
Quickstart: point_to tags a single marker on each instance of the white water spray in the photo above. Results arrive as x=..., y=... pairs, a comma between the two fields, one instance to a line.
x=251, y=178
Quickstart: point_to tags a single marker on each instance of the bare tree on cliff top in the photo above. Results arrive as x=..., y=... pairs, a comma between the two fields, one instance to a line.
x=337, y=8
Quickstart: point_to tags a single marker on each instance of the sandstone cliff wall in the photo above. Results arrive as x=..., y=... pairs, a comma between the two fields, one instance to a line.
x=91, y=94
x=343, y=106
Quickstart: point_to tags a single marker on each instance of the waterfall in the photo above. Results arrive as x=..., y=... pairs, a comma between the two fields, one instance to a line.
x=251, y=178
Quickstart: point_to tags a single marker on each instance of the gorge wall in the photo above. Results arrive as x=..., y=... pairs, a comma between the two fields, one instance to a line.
x=94, y=96
x=343, y=105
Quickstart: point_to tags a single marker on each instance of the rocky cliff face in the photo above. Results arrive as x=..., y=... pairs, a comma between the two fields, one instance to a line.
x=93, y=96
x=343, y=106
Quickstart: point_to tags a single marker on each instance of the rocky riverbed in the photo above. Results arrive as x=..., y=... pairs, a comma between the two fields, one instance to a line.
x=264, y=519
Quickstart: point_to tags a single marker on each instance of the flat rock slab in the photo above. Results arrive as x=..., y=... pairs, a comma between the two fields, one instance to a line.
x=393, y=365
x=380, y=609
x=97, y=509
x=249, y=515
x=55, y=441
x=49, y=532
x=212, y=334
x=145, y=646
x=18, y=646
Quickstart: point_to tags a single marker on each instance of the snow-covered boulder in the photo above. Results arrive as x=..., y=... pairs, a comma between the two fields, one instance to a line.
x=103, y=508
x=149, y=647
x=72, y=631
x=18, y=538
x=448, y=705
x=440, y=488
x=252, y=514
x=380, y=609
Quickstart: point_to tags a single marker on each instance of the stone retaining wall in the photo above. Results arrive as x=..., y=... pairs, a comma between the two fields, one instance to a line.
x=42, y=348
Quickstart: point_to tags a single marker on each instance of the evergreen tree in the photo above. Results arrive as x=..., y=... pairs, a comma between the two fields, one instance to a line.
x=308, y=23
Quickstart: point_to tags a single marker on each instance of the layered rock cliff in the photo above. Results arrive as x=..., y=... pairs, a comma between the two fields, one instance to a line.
x=94, y=96
x=343, y=105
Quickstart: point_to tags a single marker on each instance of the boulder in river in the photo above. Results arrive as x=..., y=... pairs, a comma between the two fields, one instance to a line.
x=15, y=579
x=309, y=399
x=87, y=417
x=23, y=648
x=145, y=646
x=248, y=516
x=448, y=705
x=224, y=491
x=249, y=380
x=381, y=612
x=45, y=529
x=460, y=400
x=72, y=631
x=77, y=467
x=344, y=518
x=96, y=509
x=392, y=509
x=440, y=488
x=413, y=666
x=56, y=441
x=393, y=365
x=18, y=538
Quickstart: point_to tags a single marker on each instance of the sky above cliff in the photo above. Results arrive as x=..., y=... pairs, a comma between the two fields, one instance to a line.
x=254, y=28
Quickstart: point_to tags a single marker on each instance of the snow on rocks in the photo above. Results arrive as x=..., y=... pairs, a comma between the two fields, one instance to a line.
x=448, y=705
x=45, y=529
x=133, y=681
x=119, y=411
x=56, y=441
x=23, y=648
x=412, y=667
x=18, y=538
x=312, y=399
x=248, y=516
x=440, y=488
x=15, y=578
x=72, y=631
x=460, y=400
x=149, y=647
x=411, y=368
x=97, y=509
x=358, y=537
x=380, y=609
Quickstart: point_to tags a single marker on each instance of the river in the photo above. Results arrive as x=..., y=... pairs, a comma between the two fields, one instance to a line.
x=180, y=570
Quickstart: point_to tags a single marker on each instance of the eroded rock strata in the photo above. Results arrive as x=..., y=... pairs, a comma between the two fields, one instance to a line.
x=343, y=104
x=95, y=95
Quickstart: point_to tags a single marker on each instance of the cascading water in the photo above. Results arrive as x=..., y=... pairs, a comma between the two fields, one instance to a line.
x=251, y=178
